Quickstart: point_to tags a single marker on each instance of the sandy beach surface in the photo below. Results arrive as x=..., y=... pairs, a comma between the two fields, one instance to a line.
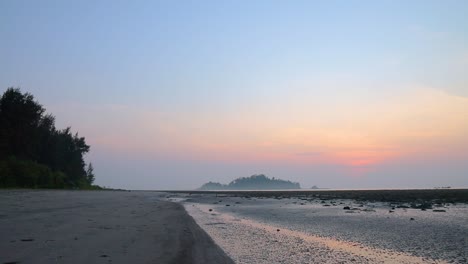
x=99, y=227
x=163, y=227
x=300, y=229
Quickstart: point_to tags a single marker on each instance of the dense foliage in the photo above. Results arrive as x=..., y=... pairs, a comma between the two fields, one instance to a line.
x=254, y=182
x=33, y=153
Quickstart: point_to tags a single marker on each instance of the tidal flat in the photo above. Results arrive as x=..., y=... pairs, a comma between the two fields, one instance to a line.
x=371, y=226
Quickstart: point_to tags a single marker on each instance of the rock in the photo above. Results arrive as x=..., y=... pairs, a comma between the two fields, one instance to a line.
x=439, y=210
x=346, y=208
x=210, y=210
x=391, y=211
x=277, y=230
x=412, y=219
x=228, y=205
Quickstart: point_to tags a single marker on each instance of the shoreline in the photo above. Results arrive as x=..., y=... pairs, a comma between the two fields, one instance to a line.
x=380, y=195
x=331, y=230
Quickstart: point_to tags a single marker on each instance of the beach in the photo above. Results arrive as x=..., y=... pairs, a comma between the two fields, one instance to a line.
x=313, y=227
x=52, y=226
x=58, y=226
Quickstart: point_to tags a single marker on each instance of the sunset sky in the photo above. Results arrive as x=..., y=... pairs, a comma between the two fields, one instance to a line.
x=172, y=94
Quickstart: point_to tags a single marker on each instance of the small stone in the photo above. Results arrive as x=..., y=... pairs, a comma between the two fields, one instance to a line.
x=210, y=210
x=411, y=218
x=277, y=230
x=346, y=208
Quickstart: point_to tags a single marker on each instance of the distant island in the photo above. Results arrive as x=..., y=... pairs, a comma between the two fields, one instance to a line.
x=254, y=182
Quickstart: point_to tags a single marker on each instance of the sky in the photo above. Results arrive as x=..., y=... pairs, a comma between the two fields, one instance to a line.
x=172, y=94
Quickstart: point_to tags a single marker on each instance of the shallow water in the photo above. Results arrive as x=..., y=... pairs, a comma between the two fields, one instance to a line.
x=321, y=231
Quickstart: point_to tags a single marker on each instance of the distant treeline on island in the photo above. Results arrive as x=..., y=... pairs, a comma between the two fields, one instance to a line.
x=254, y=182
x=35, y=154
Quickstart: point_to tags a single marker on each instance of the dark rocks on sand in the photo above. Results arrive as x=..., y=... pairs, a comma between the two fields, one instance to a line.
x=210, y=210
x=439, y=210
x=346, y=208
x=277, y=230
x=228, y=205
x=412, y=219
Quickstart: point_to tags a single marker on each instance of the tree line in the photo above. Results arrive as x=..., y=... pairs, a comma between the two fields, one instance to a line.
x=254, y=182
x=34, y=153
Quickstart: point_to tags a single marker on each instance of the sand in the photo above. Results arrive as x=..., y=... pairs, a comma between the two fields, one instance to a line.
x=99, y=227
x=322, y=231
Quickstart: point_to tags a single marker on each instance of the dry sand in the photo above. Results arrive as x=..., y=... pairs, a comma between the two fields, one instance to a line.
x=99, y=227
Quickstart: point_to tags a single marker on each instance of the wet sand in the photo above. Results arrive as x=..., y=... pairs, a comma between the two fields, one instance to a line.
x=322, y=231
x=99, y=227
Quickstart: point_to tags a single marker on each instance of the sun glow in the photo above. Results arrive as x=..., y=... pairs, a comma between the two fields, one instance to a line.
x=419, y=122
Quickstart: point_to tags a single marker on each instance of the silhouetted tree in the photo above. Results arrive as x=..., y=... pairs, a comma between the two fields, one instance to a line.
x=19, y=118
x=90, y=174
x=33, y=153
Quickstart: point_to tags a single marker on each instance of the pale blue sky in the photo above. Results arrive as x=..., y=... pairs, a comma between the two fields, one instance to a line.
x=207, y=61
